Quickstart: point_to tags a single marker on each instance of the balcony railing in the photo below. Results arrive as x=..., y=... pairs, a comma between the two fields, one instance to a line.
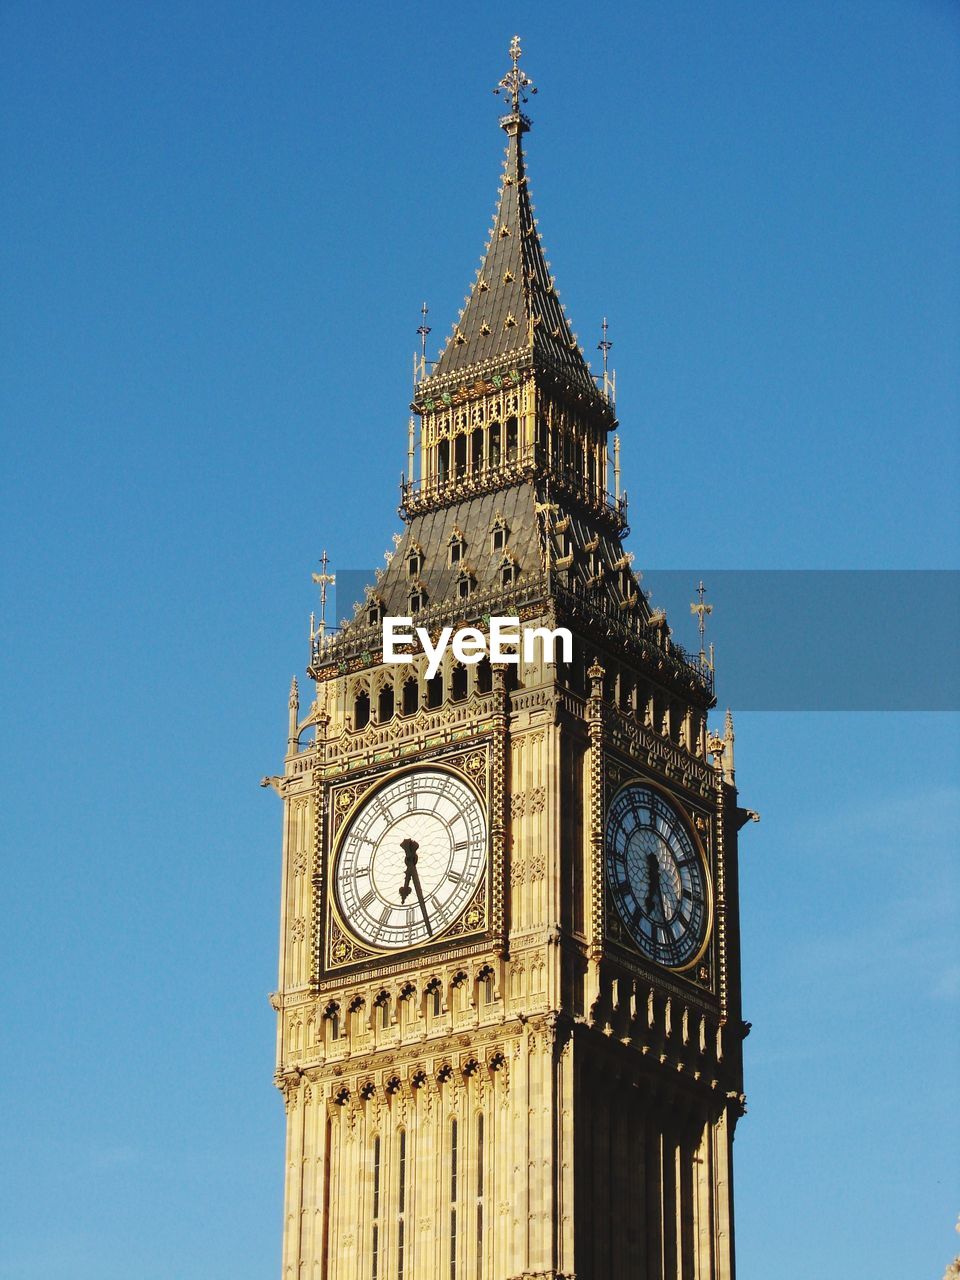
x=601, y=614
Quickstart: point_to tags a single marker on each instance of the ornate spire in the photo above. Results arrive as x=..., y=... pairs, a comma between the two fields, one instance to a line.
x=513, y=313
x=514, y=86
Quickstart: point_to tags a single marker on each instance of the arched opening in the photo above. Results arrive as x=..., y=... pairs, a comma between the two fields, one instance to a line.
x=512, y=440
x=458, y=683
x=443, y=460
x=382, y=1005
x=484, y=676
x=331, y=1016
x=401, y=1203
x=460, y=456
x=361, y=710
x=493, y=445
x=454, y=1194
x=485, y=983
x=476, y=451
x=625, y=692
x=435, y=691
x=480, y=1193
x=375, y=1272
x=410, y=696
x=432, y=998
x=385, y=704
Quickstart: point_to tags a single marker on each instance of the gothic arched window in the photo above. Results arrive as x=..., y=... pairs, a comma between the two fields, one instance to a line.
x=456, y=545
x=375, y=1271
x=401, y=1202
x=512, y=440
x=435, y=691
x=410, y=696
x=385, y=704
x=493, y=445
x=361, y=709
x=458, y=683
x=480, y=1194
x=508, y=572
x=454, y=1193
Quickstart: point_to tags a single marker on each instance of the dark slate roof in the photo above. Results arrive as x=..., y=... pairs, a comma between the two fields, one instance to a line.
x=473, y=520
x=513, y=309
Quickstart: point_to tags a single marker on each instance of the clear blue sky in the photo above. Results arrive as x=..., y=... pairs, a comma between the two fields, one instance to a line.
x=218, y=224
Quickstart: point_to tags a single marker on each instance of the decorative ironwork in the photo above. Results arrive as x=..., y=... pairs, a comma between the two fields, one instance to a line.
x=701, y=609
x=516, y=83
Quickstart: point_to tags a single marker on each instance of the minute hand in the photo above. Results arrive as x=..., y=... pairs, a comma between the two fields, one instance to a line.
x=410, y=848
x=423, y=905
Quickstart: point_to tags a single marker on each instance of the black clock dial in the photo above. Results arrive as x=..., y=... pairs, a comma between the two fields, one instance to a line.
x=656, y=876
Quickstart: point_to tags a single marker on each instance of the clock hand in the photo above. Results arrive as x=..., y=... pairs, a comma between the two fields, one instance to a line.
x=423, y=905
x=410, y=848
x=653, y=882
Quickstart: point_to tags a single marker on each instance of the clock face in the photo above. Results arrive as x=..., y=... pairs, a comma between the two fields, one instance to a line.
x=411, y=859
x=656, y=876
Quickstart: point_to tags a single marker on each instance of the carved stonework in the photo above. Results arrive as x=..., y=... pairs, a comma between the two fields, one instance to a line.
x=585, y=1075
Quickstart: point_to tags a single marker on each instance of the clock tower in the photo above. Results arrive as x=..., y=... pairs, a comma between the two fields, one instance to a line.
x=508, y=1017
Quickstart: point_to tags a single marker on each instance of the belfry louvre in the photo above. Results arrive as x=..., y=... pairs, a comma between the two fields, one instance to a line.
x=509, y=1023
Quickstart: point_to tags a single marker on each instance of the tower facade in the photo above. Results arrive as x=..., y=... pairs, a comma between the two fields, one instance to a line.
x=509, y=1025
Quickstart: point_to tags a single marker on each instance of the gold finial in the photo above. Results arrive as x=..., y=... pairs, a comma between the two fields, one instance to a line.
x=609, y=377
x=420, y=362
x=548, y=510
x=323, y=579
x=701, y=609
x=604, y=345
x=516, y=83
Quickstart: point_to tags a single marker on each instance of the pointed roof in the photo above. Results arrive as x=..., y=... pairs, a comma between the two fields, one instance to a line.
x=513, y=311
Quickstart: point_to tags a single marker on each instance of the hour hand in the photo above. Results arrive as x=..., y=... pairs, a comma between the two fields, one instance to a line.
x=653, y=883
x=409, y=848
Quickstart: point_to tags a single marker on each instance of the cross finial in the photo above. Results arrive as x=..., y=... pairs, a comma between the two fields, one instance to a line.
x=515, y=83
x=323, y=580
x=604, y=345
x=701, y=609
x=423, y=330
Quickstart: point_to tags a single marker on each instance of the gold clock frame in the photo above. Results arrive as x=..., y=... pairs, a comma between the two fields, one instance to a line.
x=638, y=779
x=342, y=949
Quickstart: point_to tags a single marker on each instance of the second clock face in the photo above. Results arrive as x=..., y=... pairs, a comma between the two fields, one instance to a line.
x=656, y=876
x=411, y=859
